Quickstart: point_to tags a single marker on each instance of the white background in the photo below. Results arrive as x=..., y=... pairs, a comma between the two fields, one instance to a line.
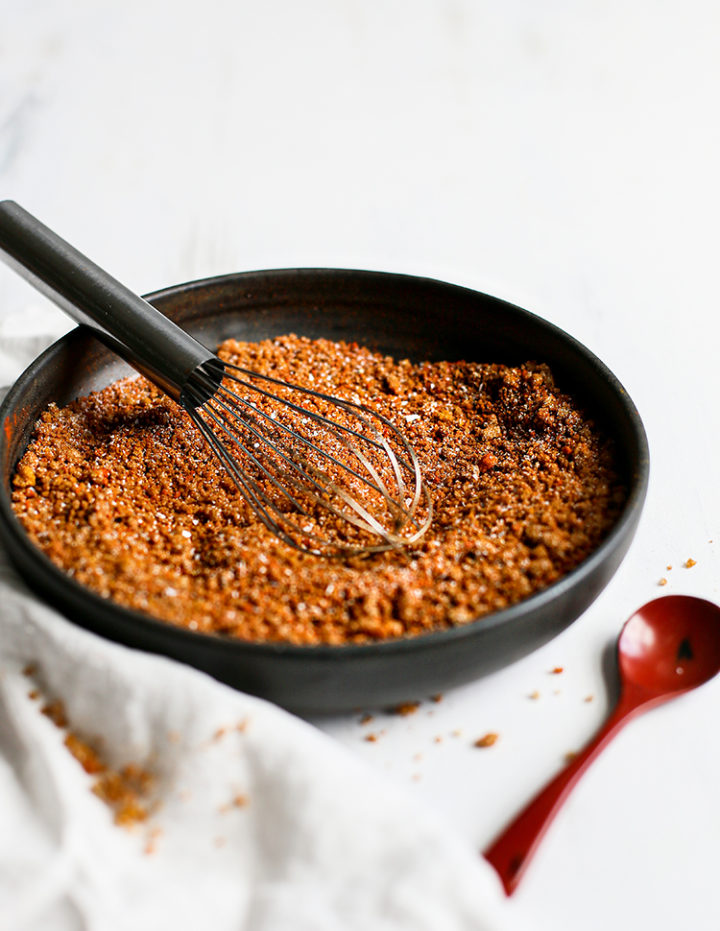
x=562, y=155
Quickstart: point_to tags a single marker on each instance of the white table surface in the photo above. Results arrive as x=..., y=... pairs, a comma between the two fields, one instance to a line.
x=561, y=155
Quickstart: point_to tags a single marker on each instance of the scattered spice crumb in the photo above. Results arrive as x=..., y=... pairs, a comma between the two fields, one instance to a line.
x=242, y=726
x=124, y=790
x=487, y=740
x=405, y=708
x=438, y=739
x=689, y=563
x=33, y=694
x=220, y=733
x=685, y=650
x=556, y=670
x=588, y=698
x=367, y=718
x=55, y=710
x=237, y=801
x=570, y=756
x=437, y=698
x=151, y=845
x=29, y=670
x=662, y=581
x=86, y=756
x=534, y=695
x=456, y=733
x=371, y=738
x=669, y=568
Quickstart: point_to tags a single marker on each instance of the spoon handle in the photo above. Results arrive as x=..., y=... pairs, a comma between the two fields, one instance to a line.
x=511, y=852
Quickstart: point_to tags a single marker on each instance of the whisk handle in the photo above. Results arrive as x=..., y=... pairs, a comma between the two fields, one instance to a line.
x=127, y=324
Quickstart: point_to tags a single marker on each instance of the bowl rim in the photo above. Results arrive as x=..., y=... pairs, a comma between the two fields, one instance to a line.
x=416, y=642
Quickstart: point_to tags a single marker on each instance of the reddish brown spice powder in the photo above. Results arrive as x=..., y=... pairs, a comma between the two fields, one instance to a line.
x=406, y=708
x=124, y=790
x=121, y=492
x=488, y=740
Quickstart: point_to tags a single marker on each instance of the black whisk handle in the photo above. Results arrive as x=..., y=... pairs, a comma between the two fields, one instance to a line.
x=126, y=323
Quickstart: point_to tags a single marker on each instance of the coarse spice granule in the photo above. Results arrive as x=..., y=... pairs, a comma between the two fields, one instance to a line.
x=119, y=490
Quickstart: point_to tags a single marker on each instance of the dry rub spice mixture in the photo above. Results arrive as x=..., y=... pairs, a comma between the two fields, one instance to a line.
x=125, y=790
x=120, y=491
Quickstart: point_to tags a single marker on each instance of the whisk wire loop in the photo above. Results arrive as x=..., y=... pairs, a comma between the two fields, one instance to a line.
x=350, y=407
x=301, y=469
x=219, y=401
x=252, y=493
x=309, y=473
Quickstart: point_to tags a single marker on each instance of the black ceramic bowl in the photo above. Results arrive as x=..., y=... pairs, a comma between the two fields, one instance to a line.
x=406, y=317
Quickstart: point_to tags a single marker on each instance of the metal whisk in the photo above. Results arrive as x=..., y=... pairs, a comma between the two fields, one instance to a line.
x=327, y=476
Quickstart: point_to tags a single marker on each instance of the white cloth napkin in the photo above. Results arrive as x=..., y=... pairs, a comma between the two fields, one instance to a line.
x=262, y=823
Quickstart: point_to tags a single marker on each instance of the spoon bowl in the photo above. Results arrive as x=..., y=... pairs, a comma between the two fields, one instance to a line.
x=669, y=646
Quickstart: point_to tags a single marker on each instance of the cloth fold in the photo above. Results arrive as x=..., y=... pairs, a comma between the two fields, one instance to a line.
x=256, y=819
x=245, y=818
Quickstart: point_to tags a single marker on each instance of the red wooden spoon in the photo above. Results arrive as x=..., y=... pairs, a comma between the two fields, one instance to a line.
x=669, y=646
